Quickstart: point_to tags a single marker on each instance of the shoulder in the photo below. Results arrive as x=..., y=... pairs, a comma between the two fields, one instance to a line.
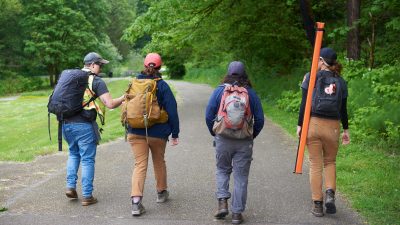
x=98, y=80
x=306, y=80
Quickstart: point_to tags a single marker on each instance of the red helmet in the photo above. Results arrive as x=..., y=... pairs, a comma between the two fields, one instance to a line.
x=153, y=59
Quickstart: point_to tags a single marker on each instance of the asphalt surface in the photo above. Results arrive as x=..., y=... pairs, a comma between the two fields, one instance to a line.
x=34, y=193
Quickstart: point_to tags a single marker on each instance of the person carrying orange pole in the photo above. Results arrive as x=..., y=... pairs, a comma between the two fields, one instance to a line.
x=307, y=113
x=323, y=107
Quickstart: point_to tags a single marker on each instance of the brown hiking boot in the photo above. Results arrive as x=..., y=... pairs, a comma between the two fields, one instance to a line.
x=89, y=201
x=222, y=208
x=71, y=193
x=317, y=209
x=237, y=218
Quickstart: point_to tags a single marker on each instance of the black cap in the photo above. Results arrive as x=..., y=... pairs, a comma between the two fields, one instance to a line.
x=94, y=57
x=329, y=55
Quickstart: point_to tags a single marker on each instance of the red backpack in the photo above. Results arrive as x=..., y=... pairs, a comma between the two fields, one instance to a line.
x=234, y=118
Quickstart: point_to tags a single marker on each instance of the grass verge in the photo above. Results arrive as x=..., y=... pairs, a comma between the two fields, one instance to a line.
x=24, y=129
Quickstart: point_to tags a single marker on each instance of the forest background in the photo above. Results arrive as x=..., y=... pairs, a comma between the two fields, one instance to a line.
x=197, y=39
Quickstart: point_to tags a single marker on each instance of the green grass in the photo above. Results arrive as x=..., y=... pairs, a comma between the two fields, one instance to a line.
x=3, y=209
x=213, y=78
x=24, y=129
x=367, y=177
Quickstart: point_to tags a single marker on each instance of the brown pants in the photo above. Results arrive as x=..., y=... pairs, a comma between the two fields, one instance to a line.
x=140, y=149
x=322, y=143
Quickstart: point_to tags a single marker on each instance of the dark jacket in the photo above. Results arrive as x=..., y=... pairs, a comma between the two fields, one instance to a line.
x=255, y=107
x=167, y=101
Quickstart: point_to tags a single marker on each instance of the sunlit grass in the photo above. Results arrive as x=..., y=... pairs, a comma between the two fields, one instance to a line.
x=24, y=125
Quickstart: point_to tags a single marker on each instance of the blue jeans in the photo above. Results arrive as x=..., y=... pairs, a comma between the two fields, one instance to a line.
x=81, y=140
x=233, y=155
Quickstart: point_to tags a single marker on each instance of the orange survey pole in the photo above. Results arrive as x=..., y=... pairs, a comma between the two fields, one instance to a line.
x=307, y=112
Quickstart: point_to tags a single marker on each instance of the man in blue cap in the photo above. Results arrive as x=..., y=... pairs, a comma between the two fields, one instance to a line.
x=81, y=133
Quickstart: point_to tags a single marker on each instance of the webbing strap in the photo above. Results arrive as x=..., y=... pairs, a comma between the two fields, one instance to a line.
x=60, y=136
x=48, y=124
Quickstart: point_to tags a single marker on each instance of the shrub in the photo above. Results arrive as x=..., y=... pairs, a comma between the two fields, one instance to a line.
x=18, y=84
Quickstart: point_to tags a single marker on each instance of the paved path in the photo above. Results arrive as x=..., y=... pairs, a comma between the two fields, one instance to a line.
x=34, y=192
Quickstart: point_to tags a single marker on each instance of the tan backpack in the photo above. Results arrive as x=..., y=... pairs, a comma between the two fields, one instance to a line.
x=141, y=108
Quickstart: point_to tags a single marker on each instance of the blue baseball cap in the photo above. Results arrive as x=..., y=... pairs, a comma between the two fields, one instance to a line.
x=94, y=57
x=236, y=67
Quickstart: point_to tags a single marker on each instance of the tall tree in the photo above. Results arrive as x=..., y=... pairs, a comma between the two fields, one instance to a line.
x=353, y=36
x=10, y=36
x=57, y=35
x=122, y=13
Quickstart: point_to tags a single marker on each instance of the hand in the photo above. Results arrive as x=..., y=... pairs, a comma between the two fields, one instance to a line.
x=345, y=137
x=298, y=131
x=174, y=141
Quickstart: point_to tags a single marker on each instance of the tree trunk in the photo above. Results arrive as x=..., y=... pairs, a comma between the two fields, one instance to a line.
x=52, y=74
x=308, y=21
x=371, y=42
x=353, y=37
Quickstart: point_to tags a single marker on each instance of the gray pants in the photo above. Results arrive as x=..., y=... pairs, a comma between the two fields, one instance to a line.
x=236, y=155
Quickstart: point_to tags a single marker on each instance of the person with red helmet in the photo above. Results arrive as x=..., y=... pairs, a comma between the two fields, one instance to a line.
x=153, y=139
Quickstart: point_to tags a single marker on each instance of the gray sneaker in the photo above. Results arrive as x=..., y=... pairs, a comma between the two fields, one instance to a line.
x=162, y=196
x=138, y=209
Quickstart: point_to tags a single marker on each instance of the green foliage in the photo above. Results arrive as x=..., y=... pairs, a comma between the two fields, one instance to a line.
x=212, y=76
x=18, y=84
x=10, y=36
x=289, y=101
x=375, y=106
x=59, y=36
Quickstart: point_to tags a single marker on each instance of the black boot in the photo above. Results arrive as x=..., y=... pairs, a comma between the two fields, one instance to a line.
x=222, y=208
x=330, y=201
x=317, y=209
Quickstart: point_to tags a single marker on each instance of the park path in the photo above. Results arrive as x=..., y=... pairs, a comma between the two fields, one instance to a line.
x=34, y=192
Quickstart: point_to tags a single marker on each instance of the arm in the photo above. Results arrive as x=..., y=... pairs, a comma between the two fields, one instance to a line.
x=168, y=102
x=109, y=102
x=301, y=111
x=258, y=113
x=212, y=109
x=345, y=123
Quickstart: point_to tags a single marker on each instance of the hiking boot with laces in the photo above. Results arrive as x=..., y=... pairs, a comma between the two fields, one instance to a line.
x=317, y=209
x=162, y=196
x=330, y=201
x=237, y=218
x=138, y=209
x=89, y=201
x=222, y=210
x=71, y=193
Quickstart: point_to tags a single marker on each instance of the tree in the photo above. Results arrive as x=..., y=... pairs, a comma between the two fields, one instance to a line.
x=308, y=20
x=353, y=36
x=121, y=14
x=57, y=35
x=10, y=38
